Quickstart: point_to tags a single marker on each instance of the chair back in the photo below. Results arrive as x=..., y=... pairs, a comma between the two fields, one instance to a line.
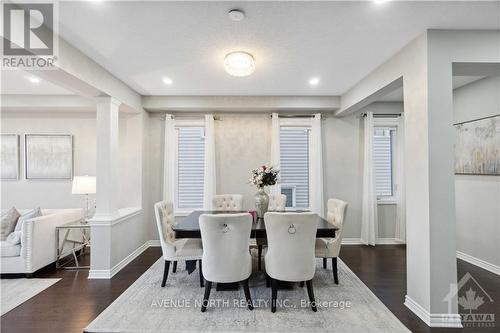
x=225, y=238
x=165, y=220
x=227, y=202
x=291, y=238
x=277, y=203
x=336, y=213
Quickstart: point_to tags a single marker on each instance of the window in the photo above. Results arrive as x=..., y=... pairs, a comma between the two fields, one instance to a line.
x=190, y=168
x=383, y=155
x=294, y=163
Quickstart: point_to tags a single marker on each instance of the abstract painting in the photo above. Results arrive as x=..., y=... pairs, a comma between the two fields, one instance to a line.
x=477, y=147
x=9, y=164
x=49, y=156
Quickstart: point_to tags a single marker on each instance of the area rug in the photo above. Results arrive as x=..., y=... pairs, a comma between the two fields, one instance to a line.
x=146, y=307
x=17, y=291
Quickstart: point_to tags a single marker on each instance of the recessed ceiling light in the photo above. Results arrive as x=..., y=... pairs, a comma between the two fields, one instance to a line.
x=379, y=1
x=236, y=15
x=314, y=81
x=33, y=79
x=239, y=63
x=168, y=81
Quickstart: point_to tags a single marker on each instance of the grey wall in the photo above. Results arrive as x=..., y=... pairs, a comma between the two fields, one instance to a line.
x=243, y=142
x=478, y=197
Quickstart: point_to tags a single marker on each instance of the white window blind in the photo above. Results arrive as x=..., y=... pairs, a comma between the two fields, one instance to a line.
x=294, y=163
x=383, y=160
x=190, y=167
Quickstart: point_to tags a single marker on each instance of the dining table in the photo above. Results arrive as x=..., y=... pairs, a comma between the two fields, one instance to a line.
x=189, y=227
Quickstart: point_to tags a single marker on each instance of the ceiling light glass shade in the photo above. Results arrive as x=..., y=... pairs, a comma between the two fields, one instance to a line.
x=239, y=63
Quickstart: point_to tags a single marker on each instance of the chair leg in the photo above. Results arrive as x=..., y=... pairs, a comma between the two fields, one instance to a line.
x=310, y=292
x=247, y=294
x=165, y=273
x=174, y=269
x=335, y=272
x=201, y=274
x=274, y=294
x=208, y=287
x=324, y=263
x=268, y=281
x=259, y=252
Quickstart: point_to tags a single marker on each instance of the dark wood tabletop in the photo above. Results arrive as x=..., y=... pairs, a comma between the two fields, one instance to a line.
x=189, y=227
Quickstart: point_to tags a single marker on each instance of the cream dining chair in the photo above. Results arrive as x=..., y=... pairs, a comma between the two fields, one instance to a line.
x=225, y=251
x=277, y=203
x=174, y=249
x=290, y=254
x=330, y=247
x=227, y=202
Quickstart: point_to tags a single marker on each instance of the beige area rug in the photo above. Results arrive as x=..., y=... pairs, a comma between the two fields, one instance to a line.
x=146, y=307
x=14, y=292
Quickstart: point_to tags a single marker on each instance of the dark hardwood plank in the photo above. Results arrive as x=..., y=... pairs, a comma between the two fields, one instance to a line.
x=72, y=303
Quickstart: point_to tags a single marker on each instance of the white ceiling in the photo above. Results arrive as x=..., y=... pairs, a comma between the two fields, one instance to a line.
x=16, y=82
x=340, y=42
x=458, y=81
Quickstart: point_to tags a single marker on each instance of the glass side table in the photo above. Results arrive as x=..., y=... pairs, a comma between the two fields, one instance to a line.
x=77, y=236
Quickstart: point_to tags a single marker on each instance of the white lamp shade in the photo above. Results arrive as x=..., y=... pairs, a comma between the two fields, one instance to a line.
x=83, y=185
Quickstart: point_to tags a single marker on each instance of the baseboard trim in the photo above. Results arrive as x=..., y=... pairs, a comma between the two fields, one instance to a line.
x=154, y=243
x=479, y=263
x=380, y=241
x=445, y=320
x=109, y=273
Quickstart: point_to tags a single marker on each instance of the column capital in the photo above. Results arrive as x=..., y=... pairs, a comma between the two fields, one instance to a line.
x=107, y=100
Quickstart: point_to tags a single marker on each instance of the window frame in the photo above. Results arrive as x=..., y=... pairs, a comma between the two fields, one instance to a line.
x=182, y=123
x=391, y=123
x=306, y=124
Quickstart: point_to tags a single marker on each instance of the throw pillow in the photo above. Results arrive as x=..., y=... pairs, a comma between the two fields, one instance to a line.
x=34, y=213
x=8, y=223
x=14, y=238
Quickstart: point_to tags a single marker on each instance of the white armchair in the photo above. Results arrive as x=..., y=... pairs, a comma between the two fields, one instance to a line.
x=175, y=249
x=277, y=203
x=227, y=202
x=225, y=251
x=290, y=254
x=330, y=247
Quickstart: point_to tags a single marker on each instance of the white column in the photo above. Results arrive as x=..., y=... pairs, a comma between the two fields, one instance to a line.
x=107, y=156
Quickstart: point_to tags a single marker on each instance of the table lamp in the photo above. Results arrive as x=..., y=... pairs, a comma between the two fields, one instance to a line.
x=84, y=185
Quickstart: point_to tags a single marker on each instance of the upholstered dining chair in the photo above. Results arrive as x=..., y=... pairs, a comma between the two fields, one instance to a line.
x=174, y=249
x=290, y=254
x=227, y=202
x=225, y=251
x=277, y=203
x=330, y=247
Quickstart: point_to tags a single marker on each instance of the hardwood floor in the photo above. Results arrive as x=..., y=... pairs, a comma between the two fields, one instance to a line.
x=72, y=303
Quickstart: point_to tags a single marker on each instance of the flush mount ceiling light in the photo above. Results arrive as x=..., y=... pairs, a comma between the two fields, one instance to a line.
x=239, y=63
x=236, y=15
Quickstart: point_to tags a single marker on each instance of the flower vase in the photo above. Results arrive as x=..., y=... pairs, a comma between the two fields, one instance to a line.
x=261, y=202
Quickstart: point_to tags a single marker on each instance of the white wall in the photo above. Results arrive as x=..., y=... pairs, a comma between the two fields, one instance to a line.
x=477, y=196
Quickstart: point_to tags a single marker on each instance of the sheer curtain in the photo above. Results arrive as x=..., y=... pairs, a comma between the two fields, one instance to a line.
x=210, y=174
x=400, y=183
x=275, y=148
x=316, y=168
x=369, y=223
x=169, y=160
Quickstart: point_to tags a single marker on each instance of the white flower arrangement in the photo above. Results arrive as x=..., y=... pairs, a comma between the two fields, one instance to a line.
x=266, y=175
